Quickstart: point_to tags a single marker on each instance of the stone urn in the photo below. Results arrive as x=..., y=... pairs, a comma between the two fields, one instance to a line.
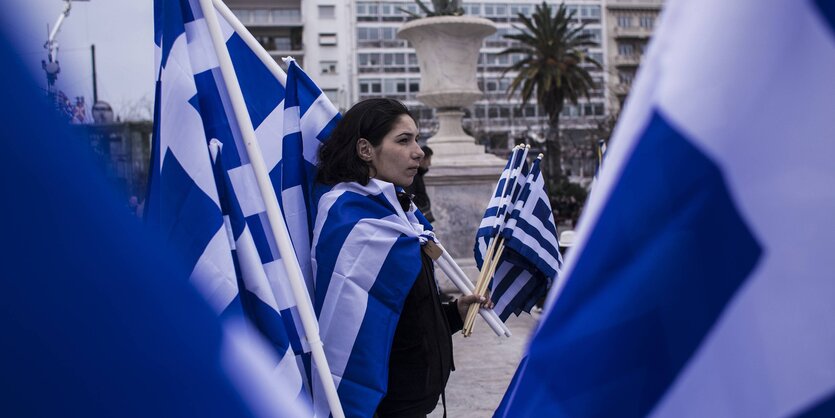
x=447, y=49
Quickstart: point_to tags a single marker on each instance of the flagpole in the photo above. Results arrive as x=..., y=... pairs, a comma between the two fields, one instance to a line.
x=277, y=226
x=484, y=278
x=461, y=283
x=470, y=286
x=251, y=42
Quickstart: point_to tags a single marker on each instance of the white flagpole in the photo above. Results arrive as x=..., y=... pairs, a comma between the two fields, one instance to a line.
x=278, y=228
x=451, y=269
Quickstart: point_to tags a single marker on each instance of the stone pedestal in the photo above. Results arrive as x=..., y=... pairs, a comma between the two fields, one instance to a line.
x=459, y=195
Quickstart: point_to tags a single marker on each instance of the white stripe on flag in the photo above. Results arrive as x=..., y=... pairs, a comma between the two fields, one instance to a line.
x=214, y=273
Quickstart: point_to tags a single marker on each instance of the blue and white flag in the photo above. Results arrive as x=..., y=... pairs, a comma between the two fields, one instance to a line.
x=514, y=175
x=192, y=108
x=702, y=281
x=366, y=255
x=255, y=293
x=531, y=260
x=98, y=317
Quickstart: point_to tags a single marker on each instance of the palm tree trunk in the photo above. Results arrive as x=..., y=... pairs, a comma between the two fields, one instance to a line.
x=553, y=154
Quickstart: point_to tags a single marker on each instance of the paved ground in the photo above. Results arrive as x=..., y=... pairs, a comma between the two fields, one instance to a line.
x=484, y=366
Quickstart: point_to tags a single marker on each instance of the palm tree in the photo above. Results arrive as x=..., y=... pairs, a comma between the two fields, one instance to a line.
x=553, y=46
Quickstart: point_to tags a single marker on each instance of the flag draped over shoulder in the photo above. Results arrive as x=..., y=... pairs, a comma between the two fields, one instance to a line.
x=701, y=284
x=236, y=264
x=367, y=255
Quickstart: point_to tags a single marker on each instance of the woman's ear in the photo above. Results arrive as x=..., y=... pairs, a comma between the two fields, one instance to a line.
x=364, y=150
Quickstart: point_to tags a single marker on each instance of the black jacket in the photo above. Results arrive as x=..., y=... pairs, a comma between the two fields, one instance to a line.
x=421, y=353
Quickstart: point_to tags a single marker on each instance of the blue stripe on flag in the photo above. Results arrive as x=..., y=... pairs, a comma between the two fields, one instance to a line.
x=188, y=233
x=259, y=235
x=216, y=123
x=293, y=161
x=169, y=14
x=525, y=250
x=359, y=387
x=642, y=310
x=353, y=206
x=262, y=91
x=288, y=315
x=326, y=132
x=827, y=9
x=822, y=409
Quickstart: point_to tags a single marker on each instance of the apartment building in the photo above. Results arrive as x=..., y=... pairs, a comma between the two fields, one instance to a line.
x=629, y=26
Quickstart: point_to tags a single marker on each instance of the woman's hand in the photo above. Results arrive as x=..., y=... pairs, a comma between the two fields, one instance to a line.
x=464, y=303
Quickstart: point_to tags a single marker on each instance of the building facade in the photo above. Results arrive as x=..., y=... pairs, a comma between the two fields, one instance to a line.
x=350, y=48
x=629, y=26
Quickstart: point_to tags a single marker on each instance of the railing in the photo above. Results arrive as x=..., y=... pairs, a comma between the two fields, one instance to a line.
x=269, y=17
x=627, y=60
x=632, y=32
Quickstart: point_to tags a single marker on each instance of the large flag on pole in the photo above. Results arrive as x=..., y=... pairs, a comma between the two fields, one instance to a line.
x=192, y=108
x=702, y=282
x=95, y=313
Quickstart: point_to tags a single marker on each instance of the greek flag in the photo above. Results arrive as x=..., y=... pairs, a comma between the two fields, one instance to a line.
x=531, y=259
x=366, y=253
x=236, y=264
x=702, y=281
x=514, y=175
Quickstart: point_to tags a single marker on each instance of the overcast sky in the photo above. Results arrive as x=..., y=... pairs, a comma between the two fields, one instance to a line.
x=122, y=31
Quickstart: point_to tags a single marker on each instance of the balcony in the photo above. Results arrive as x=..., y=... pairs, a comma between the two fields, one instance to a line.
x=627, y=60
x=266, y=18
x=635, y=4
x=633, y=32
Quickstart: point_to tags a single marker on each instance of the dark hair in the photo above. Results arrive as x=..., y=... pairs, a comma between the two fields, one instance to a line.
x=427, y=152
x=371, y=119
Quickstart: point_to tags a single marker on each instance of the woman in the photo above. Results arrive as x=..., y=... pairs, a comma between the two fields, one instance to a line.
x=386, y=333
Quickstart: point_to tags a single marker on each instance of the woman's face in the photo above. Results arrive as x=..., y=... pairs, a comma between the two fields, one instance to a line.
x=397, y=158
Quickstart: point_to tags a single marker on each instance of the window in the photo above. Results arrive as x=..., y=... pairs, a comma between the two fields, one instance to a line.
x=646, y=22
x=371, y=86
x=328, y=67
x=333, y=95
x=594, y=34
x=327, y=39
x=626, y=49
x=624, y=21
x=327, y=12
x=261, y=16
x=472, y=9
x=362, y=34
